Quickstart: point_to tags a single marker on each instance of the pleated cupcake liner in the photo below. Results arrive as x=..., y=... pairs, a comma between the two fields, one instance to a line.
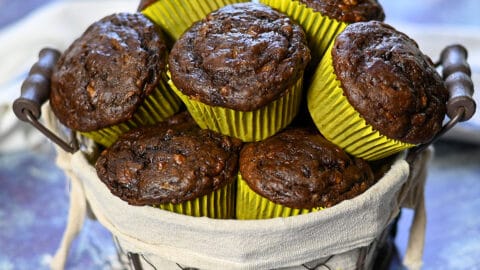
x=219, y=204
x=320, y=30
x=176, y=16
x=161, y=104
x=338, y=120
x=248, y=126
x=251, y=205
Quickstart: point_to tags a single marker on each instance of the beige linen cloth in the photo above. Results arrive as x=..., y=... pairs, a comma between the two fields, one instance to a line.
x=336, y=236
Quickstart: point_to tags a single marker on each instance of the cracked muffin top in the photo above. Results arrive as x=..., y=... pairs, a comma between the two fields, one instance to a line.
x=242, y=57
x=299, y=168
x=171, y=162
x=105, y=74
x=348, y=11
x=390, y=82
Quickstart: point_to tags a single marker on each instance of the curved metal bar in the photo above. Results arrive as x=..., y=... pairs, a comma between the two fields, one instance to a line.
x=71, y=147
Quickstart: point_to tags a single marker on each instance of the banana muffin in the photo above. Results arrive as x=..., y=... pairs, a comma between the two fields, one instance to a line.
x=114, y=68
x=377, y=93
x=237, y=61
x=174, y=165
x=297, y=168
x=348, y=11
x=323, y=20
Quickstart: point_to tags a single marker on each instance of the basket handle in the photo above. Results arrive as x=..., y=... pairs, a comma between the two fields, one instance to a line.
x=35, y=91
x=457, y=75
x=461, y=105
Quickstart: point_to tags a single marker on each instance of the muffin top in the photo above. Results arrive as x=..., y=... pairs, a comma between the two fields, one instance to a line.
x=348, y=11
x=242, y=57
x=298, y=168
x=390, y=82
x=171, y=162
x=106, y=73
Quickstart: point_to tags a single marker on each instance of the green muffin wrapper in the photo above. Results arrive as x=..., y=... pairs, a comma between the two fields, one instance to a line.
x=158, y=106
x=219, y=204
x=251, y=205
x=338, y=120
x=319, y=29
x=176, y=16
x=247, y=126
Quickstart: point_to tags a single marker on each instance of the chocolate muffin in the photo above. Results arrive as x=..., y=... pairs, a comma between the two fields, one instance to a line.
x=242, y=58
x=106, y=75
x=390, y=82
x=173, y=163
x=298, y=168
x=377, y=93
x=323, y=20
x=348, y=11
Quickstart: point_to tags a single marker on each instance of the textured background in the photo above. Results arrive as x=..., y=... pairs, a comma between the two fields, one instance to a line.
x=34, y=192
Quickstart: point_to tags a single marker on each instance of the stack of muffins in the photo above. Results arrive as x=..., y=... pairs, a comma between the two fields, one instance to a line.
x=247, y=110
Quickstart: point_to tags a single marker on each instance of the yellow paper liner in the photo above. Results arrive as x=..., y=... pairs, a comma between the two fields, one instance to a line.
x=247, y=126
x=219, y=204
x=176, y=16
x=251, y=205
x=158, y=106
x=339, y=122
x=320, y=30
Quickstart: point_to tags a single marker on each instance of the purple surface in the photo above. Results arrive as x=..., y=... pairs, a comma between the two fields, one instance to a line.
x=33, y=211
x=11, y=11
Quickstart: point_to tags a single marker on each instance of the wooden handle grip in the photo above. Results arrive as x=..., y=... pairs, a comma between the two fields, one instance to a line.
x=35, y=89
x=457, y=75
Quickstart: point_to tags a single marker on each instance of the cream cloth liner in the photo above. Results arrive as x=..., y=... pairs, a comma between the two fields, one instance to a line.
x=166, y=239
